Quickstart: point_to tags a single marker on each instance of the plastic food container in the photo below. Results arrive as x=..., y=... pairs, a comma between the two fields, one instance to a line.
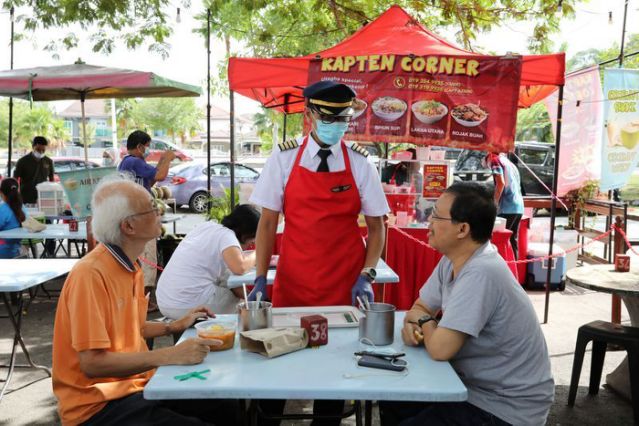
x=219, y=330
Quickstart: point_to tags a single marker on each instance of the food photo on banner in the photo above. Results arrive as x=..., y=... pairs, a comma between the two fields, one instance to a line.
x=582, y=124
x=447, y=100
x=620, y=141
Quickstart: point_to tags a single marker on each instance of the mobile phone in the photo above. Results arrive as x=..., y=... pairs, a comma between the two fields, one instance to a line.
x=382, y=363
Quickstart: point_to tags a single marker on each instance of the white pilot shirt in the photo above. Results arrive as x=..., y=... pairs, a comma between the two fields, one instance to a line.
x=269, y=189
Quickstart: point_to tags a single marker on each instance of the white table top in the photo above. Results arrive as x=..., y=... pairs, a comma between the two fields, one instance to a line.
x=21, y=274
x=329, y=372
x=170, y=217
x=385, y=275
x=59, y=231
x=604, y=278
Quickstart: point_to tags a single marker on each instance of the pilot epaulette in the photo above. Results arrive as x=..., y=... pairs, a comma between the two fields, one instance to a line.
x=289, y=144
x=359, y=149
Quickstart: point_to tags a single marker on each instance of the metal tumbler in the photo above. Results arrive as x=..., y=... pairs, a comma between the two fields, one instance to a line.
x=251, y=316
x=378, y=326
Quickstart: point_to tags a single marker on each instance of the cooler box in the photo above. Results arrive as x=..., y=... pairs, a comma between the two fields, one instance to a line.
x=537, y=271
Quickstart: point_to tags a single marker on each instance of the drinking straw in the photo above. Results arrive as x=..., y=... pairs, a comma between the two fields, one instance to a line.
x=245, y=295
x=361, y=304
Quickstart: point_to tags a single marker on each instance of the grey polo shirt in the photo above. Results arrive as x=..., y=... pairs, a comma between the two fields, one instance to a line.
x=504, y=362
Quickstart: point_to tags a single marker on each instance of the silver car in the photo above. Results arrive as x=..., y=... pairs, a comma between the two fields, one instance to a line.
x=187, y=182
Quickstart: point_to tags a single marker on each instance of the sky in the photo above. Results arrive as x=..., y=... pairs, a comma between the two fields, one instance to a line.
x=187, y=60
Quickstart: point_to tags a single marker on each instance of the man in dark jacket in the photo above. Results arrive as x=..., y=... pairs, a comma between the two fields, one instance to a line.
x=33, y=169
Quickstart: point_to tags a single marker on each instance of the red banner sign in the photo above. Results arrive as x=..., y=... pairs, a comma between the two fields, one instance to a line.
x=459, y=101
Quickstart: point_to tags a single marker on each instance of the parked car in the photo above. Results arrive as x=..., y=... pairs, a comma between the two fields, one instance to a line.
x=156, y=149
x=538, y=156
x=187, y=182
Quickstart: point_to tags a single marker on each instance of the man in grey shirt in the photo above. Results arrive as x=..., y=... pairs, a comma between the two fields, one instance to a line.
x=488, y=331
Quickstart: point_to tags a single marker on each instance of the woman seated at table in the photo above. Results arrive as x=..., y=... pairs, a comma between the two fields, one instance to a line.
x=11, y=216
x=198, y=271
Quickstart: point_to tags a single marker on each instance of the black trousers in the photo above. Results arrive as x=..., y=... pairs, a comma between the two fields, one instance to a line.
x=512, y=223
x=435, y=414
x=135, y=410
x=275, y=407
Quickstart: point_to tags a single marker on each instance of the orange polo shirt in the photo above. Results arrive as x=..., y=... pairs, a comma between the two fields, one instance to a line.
x=102, y=306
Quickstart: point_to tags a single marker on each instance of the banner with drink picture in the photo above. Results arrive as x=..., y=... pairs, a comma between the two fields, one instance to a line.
x=620, y=141
x=582, y=123
x=458, y=101
x=79, y=186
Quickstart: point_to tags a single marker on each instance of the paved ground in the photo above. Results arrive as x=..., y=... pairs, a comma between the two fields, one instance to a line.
x=32, y=403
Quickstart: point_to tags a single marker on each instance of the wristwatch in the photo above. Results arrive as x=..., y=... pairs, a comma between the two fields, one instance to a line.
x=423, y=320
x=370, y=273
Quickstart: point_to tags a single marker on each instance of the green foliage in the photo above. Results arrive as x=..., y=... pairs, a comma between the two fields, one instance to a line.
x=266, y=120
x=221, y=206
x=533, y=124
x=133, y=23
x=577, y=198
x=29, y=122
x=589, y=57
x=177, y=116
x=293, y=27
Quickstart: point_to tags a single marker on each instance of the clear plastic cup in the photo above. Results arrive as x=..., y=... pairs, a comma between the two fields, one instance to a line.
x=223, y=330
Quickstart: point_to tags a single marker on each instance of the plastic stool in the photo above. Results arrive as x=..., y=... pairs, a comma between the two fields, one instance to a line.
x=601, y=333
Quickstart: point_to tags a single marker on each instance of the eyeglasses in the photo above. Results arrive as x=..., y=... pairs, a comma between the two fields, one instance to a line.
x=330, y=119
x=154, y=210
x=434, y=215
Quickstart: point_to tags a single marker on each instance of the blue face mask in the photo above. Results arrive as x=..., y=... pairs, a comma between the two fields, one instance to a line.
x=331, y=133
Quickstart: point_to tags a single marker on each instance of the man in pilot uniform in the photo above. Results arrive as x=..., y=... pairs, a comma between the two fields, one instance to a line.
x=321, y=184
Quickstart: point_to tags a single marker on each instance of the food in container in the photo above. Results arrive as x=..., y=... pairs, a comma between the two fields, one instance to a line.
x=389, y=108
x=469, y=115
x=218, y=330
x=429, y=111
x=359, y=106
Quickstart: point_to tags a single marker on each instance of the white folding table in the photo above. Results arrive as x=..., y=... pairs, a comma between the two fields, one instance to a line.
x=17, y=275
x=57, y=231
x=328, y=372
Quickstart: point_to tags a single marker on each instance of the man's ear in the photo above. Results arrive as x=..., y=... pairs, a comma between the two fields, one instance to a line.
x=126, y=228
x=464, y=230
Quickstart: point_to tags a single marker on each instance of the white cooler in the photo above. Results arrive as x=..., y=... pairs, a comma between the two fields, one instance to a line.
x=538, y=271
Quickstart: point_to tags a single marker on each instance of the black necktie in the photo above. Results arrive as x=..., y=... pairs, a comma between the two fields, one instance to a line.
x=323, y=165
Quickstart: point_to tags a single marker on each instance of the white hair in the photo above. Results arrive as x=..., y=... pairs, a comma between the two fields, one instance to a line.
x=110, y=205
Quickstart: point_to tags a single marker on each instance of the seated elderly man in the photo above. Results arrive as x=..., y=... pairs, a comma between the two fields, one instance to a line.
x=488, y=330
x=100, y=359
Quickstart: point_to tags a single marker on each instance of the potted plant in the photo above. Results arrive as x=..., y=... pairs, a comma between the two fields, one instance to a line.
x=221, y=206
x=578, y=197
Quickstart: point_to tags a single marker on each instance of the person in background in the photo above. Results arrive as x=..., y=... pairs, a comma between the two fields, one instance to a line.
x=100, y=359
x=138, y=144
x=488, y=331
x=198, y=270
x=508, y=195
x=11, y=216
x=32, y=169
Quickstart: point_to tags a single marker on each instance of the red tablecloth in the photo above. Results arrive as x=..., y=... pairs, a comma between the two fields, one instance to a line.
x=414, y=262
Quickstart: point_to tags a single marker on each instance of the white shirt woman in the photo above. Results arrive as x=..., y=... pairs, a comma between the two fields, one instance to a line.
x=199, y=268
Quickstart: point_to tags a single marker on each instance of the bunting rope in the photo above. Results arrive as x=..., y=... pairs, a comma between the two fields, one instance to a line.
x=613, y=227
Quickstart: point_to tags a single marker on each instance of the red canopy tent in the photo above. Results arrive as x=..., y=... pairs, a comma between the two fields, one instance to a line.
x=278, y=82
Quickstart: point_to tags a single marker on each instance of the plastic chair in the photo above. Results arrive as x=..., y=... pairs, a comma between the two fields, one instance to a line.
x=601, y=333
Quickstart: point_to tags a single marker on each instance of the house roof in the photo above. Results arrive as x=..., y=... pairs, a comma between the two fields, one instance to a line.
x=93, y=108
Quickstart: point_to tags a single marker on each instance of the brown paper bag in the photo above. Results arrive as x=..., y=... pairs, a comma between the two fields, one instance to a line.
x=272, y=342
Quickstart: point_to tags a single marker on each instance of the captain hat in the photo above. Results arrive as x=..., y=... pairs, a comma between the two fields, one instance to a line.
x=330, y=98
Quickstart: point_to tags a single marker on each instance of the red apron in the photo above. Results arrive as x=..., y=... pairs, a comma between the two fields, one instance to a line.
x=322, y=251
